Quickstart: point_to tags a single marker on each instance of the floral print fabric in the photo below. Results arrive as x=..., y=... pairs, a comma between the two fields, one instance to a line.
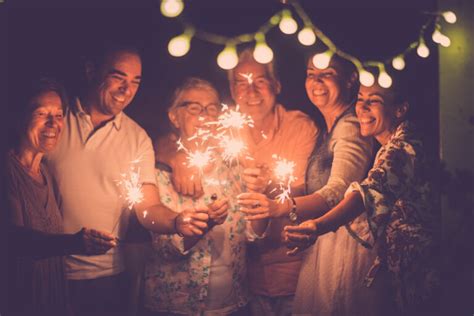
x=399, y=217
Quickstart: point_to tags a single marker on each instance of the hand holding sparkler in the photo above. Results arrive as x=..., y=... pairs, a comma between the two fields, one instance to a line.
x=94, y=242
x=299, y=238
x=192, y=222
x=256, y=179
x=186, y=180
x=258, y=206
x=218, y=211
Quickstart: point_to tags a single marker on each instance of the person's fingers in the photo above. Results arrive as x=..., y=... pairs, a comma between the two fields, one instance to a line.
x=254, y=210
x=250, y=196
x=297, y=237
x=293, y=252
x=300, y=229
x=199, y=224
x=256, y=217
x=253, y=203
x=218, y=203
x=196, y=231
x=198, y=217
x=102, y=234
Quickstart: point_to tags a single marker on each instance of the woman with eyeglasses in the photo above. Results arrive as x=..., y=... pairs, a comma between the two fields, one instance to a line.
x=205, y=274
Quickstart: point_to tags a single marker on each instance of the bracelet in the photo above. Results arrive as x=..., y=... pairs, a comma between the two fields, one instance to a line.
x=176, y=226
x=293, y=216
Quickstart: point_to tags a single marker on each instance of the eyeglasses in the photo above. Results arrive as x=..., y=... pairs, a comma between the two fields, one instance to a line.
x=196, y=108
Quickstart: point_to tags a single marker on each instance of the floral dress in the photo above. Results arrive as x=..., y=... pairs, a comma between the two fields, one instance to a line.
x=400, y=220
x=177, y=280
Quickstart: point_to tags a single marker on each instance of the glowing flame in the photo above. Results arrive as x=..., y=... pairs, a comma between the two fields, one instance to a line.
x=284, y=170
x=132, y=186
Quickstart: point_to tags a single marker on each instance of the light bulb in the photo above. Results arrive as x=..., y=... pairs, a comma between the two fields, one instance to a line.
x=228, y=59
x=306, y=36
x=423, y=50
x=450, y=17
x=398, y=63
x=322, y=60
x=179, y=45
x=262, y=53
x=288, y=25
x=445, y=41
x=384, y=80
x=171, y=8
x=437, y=36
x=366, y=78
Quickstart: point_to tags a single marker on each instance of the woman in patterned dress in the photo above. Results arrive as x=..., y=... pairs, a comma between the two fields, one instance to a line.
x=390, y=211
x=203, y=275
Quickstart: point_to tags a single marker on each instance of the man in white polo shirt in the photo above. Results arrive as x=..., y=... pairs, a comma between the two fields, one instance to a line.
x=100, y=143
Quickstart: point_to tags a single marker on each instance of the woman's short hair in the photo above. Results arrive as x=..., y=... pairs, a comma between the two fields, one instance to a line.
x=188, y=84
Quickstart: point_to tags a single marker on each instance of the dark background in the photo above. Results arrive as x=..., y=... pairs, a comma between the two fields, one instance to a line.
x=50, y=36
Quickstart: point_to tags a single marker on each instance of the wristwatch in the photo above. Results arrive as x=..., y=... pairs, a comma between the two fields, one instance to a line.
x=292, y=215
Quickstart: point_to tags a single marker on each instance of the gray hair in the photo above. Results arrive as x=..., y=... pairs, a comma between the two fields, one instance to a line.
x=246, y=56
x=188, y=84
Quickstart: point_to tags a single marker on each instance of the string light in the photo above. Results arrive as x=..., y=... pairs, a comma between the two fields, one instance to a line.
x=384, y=80
x=171, y=8
x=398, y=63
x=440, y=38
x=366, y=78
x=307, y=37
x=322, y=60
x=449, y=17
x=228, y=59
x=180, y=45
x=287, y=24
x=422, y=50
x=262, y=53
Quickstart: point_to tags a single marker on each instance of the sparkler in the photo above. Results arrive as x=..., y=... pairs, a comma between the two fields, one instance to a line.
x=284, y=173
x=198, y=159
x=131, y=184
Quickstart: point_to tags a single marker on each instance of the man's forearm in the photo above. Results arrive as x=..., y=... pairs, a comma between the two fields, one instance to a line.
x=166, y=148
x=158, y=218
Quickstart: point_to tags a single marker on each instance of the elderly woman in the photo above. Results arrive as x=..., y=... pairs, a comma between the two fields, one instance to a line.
x=37, y=284
x=390, y=211
x=205, y=274
x=340, y=156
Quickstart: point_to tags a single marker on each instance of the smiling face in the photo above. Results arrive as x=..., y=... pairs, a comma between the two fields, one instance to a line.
x=253, y=89
x=327, y=87
x=45, y=123
x=116, y=83
x=378, y=113
x=185, y=116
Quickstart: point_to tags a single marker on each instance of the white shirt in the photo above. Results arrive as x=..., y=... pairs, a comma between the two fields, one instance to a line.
x=88, y=166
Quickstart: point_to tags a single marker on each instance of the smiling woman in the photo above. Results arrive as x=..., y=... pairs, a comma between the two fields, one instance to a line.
x=36, y=279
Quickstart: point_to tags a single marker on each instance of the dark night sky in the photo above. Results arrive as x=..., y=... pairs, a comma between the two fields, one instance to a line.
x=50, y=39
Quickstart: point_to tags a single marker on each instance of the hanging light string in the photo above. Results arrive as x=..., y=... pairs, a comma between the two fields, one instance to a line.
x=308, y=35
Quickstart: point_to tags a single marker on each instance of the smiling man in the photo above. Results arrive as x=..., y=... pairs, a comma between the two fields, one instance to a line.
x=99, y=144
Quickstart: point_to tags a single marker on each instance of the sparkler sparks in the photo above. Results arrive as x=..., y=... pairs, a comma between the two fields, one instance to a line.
x=248, y=77
x=131, y=184
x=284, y=173
x=198, y=159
